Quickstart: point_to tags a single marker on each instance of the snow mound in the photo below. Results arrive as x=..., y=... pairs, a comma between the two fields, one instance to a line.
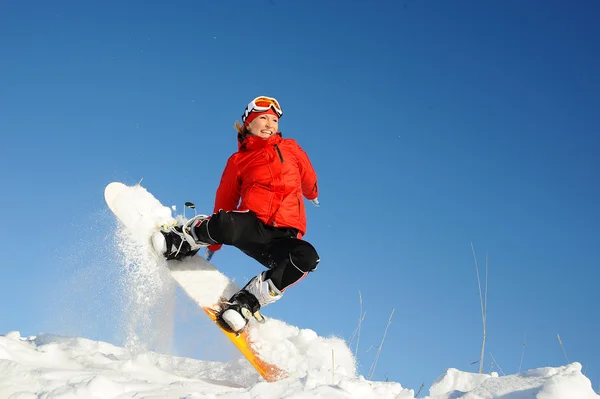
x=300, y=351
x=565, y=382
x=53, y=367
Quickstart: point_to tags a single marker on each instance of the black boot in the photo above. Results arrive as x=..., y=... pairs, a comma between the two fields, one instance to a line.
x=179, y=241
x=246, y=303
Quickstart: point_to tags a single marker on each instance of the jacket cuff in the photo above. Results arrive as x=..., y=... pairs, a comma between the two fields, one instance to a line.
x=215, y=247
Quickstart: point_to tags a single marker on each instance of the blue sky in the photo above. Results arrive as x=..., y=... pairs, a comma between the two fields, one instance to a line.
x=432, y=125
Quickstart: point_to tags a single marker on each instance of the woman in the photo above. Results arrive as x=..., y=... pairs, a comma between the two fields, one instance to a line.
x=258, y=209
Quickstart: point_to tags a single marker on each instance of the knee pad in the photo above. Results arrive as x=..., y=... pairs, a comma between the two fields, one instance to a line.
x=305, y=257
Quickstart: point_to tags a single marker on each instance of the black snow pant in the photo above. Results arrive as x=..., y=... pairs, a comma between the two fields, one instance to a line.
x=287, y=257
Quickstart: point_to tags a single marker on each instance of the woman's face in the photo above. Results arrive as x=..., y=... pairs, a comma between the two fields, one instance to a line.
x=264, y=126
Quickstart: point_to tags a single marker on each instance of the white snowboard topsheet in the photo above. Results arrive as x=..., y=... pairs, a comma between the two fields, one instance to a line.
x=142, y=214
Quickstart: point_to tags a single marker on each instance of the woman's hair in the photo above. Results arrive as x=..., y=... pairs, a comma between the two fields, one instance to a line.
x=242, y=130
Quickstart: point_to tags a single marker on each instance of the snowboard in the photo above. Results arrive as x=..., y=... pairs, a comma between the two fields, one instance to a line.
x=142, y=214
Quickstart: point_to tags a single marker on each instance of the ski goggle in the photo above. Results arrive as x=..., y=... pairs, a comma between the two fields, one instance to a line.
x=262, y=104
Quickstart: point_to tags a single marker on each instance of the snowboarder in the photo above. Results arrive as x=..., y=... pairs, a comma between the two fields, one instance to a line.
x=259, y=209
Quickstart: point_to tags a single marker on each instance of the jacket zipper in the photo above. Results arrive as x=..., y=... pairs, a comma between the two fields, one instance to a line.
x=279, y=152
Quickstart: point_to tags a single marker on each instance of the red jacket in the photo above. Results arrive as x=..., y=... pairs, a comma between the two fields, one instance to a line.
x=269, y=176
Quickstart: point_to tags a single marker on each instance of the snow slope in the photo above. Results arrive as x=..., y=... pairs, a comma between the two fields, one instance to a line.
x=55, y=367
x=52, y=367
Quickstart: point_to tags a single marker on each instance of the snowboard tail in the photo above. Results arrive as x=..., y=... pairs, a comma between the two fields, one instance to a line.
x=241, y=341
x=140, y=212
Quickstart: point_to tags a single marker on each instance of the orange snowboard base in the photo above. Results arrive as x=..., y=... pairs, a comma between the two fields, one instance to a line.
x=241, y=341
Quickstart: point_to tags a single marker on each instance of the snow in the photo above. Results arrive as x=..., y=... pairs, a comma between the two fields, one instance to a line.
x=564, y=382
x=54, y=367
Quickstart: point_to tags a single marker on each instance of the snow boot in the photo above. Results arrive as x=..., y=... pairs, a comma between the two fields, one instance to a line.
x=247, y=302
x=179, y=241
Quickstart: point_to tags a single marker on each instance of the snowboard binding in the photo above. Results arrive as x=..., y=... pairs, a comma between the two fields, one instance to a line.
x=238, y=311
x=178, y=241
x=245, y=305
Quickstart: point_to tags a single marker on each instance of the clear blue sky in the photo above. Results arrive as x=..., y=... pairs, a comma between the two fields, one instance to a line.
x=431, y=124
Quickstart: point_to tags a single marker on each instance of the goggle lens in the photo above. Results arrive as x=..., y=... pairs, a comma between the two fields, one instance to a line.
x=267, y=102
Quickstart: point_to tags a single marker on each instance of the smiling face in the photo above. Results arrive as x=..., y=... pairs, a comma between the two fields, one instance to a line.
x=264, y=125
